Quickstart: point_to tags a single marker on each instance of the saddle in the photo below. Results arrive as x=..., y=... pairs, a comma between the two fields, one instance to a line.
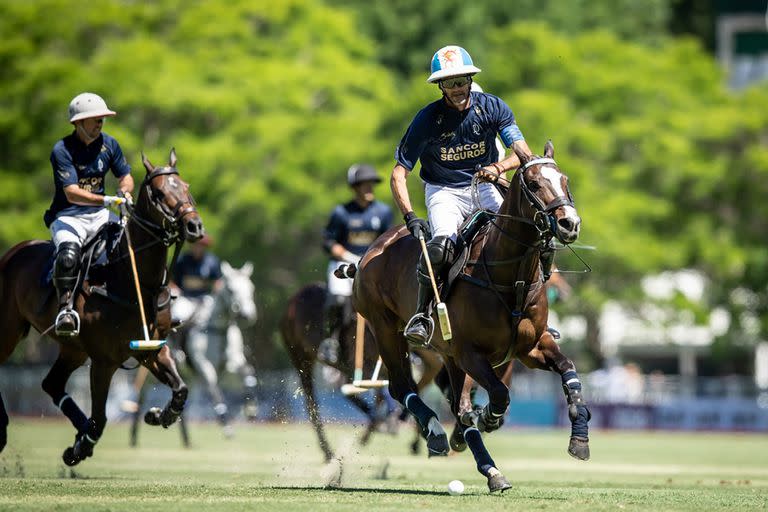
x=95, y=256
x=472, y=227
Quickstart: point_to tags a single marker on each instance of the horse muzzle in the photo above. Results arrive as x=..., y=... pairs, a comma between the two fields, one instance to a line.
x=568, y=227
x=193, y=228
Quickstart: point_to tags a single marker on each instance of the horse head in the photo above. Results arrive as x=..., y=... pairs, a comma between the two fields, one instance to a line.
x=545, y=187
x=239, y=291
x=165, y=204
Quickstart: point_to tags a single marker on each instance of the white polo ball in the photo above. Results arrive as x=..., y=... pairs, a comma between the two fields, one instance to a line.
x=455, y=487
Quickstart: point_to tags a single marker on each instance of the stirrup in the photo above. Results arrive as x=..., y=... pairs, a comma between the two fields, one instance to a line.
x=67, y=312
x=430, y=324
x=554, y=332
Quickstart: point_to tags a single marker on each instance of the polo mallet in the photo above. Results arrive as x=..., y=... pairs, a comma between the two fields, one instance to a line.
x=442, y=310
x=146, y=343
x=359, y=385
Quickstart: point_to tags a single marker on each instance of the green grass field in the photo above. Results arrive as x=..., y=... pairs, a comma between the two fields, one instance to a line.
x=279, y=467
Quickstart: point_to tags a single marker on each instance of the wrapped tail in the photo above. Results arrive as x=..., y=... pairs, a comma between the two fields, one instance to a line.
x=346, y=271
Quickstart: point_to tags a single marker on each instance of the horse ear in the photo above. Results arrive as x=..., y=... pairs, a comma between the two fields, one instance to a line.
x=247, y=268
x=226, y=267
x=549, y=149
x=147, y=164
x=172, y=158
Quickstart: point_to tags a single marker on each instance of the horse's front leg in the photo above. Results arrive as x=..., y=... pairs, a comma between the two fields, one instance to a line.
x=85, y=440
x=461, y=405
x=547, y=355
x=492, y=415
x=162, y=366
x=3, y=425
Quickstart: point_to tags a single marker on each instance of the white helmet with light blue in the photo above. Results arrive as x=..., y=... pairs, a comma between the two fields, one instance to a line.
x=451, y=61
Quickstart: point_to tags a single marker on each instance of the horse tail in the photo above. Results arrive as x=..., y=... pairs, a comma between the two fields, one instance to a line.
x=346, y=271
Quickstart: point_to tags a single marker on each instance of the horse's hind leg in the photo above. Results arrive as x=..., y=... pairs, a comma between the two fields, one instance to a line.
x=163, y=367
x=304, y=369
x=462, y=407
x=395, y=355
x=546, y=355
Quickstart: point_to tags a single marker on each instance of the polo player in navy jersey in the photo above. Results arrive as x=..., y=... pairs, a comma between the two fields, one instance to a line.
x=80, y=161
x=453, y=138
x=352, y=227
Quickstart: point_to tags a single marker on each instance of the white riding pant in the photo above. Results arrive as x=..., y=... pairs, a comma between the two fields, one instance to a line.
x=338, y=286
x=447, y=207
x=79, y=229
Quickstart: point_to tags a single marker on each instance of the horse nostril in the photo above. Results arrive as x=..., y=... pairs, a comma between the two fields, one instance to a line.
x=566, y=224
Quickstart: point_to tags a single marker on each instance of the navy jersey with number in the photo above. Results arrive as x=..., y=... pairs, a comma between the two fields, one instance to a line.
x=197, y=277
x=450, y=143
x=74, y=163
x=356, y=228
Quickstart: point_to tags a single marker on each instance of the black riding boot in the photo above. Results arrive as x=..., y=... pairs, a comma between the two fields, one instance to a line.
x=419, y=327
x=64, y=280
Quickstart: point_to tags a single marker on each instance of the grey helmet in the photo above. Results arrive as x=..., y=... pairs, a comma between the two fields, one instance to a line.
x=359, y=173
x=87, y=105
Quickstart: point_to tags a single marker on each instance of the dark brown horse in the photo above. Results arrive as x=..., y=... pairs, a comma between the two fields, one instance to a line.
x=164, y=215
x=303, y=329
x=498, y=309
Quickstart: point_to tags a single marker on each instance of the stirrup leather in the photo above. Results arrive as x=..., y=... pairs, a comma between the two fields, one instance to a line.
x=73, y=314
x=428, y=320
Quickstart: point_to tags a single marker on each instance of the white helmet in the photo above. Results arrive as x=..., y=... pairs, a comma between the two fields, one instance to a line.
x=86, y=105
x=451, y=61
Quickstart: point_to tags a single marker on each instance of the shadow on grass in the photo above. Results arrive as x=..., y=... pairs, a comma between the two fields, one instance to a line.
x=371, y=490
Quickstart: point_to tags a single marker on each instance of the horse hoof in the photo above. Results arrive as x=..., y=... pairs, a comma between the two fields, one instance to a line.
x=579, y=448
x=498, y=483
x=437, y=445
x=457, y=442
x=153, y=416
x=69, y=457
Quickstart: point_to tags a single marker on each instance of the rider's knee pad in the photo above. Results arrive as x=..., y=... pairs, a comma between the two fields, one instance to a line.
x=440, y=250
x=67, y=263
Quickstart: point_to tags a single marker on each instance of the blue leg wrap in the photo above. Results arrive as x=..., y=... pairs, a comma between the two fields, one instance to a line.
x=73, y=412
x=419, y=409
x=482, y=457
x=577, y=409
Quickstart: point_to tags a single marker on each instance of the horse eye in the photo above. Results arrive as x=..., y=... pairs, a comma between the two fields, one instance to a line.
x=534, y=186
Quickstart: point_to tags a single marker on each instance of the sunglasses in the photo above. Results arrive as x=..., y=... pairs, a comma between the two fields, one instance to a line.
x=459, y=81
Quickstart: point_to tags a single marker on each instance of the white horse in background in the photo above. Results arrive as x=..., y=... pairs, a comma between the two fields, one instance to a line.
x=211, y=339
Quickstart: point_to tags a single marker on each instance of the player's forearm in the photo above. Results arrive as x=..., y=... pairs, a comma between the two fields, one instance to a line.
x=400, y=189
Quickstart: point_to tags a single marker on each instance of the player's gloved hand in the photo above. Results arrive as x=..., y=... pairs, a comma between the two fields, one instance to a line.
x=127, y=196
x=418, y=227
x=113, y=200
x=490, y=173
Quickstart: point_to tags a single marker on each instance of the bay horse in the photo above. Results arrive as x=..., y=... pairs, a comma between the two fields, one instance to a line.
x=164, y=214
x=303, y=330
x=498, y=309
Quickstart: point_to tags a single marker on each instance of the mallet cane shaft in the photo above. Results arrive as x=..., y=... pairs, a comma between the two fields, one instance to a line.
x=138, y=286
x=442, y=310
x=359, y=346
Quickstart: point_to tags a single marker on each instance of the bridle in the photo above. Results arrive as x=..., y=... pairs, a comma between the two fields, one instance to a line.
x=170, y=230
x=543, y=218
